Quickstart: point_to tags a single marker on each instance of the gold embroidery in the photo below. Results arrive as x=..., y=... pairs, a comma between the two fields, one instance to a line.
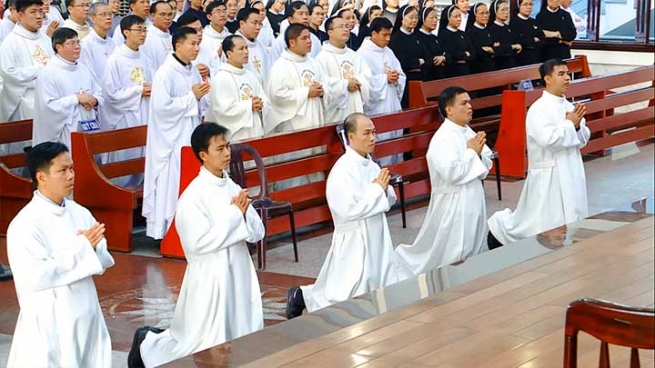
x=40, y=56
x=246, y=91
x=137, y=75
x=257, y=63
x=307, y=78
x=347, y=70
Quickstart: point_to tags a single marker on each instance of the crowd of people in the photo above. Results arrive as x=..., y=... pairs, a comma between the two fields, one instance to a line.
x=258, y=69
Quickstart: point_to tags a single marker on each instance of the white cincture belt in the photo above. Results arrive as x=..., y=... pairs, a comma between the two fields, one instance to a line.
x=349, y=226
x=446, y=190
x=541, y=165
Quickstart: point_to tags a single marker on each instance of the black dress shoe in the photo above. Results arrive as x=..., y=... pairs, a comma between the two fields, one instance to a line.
x=5, y=273
x=492, y=242
x=295, y=303
x=134, y=357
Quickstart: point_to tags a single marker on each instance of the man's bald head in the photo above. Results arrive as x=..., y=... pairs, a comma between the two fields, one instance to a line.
x=361, y=133
x=350, y=124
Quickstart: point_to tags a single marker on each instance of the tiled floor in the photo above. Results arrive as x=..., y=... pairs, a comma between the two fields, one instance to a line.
x=142, y=290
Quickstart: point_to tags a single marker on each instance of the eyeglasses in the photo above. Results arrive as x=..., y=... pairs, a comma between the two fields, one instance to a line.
x=340, y=26
x=219, y=11
x=165, y=15
x=140, y=30
x=104, y=15
x=85, y=5
x=72, y=43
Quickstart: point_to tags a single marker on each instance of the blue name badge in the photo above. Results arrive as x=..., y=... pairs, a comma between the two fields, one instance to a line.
x=89, y=125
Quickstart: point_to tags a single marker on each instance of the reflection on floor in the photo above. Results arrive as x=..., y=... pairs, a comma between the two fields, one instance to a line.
x=142, y=290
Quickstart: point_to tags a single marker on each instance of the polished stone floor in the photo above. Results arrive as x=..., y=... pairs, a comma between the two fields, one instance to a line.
x=142, y=290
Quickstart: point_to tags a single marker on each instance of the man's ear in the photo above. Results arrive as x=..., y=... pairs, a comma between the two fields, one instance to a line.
x=204, y=156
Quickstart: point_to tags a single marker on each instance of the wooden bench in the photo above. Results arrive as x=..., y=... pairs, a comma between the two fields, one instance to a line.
x=608, y=128
x=15, y=191
x=309, y=203
x=110, y=204
x=426, y=93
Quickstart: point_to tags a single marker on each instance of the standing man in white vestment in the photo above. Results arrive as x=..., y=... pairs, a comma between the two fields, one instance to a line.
x=55, y=246
x=97, y=46
x=215, y=32
x=204, y=62
x=240, y=102
x=176, y=104
x=295, y=86
x=250, y=24
x=458, y=160
x=140, y=8
x=23, y=53
x=67, y=94
x=555, y=191
x=126, y=88
x=346, y=70
x=78, y=11
x=388, y=80
x=52, y=19
x=296, y=12
x=220, y=298
x=360, y=258
x=158, y=43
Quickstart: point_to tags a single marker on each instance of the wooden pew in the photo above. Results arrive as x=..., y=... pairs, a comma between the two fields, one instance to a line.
x=426, y=93
x=110, y=204
x=609, y=129
x=310, y=206
x=15, y=191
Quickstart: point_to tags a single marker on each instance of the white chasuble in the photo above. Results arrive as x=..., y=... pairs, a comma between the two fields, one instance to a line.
x=288, y=89
x=60, y=323
x=158, y=46
x=220, y=299
x=122, y=85
x=340, y=65
x=22, y=56
x=231, y=105
x=555, y=191
x=384, y=97
x=212, y=41
x=95, y=52
x=58, y=113
x=360, y=258
x=174, y=113
x=82, y=30
x=454, y=227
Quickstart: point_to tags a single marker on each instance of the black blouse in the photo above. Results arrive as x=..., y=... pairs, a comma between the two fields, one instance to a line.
x=483, y=61
x=559, y=21
x=525, y=31
x=432, y=48
x=456, y=44
x=504, y=54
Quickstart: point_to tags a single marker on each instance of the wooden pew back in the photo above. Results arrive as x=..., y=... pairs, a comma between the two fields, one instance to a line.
x=110, y=204
x=609, y=128
x=426, y=93
x=15, y=190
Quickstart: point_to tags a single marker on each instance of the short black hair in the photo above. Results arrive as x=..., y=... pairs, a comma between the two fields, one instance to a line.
x=11, y=4
x=213, y=5
x=447, y=98
x=39, y=157
x=181, y=34
x=62, y=35
x=22, y=5
x=548, y=67
x=328, y=23
x=203, y=134
x=380, y=23
x=186, y=19
x=228, y=43
x=292, y=7
x=129, y=21
x=153, y=6
x=350, y=124
x=244, y=14
x=293, y=31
